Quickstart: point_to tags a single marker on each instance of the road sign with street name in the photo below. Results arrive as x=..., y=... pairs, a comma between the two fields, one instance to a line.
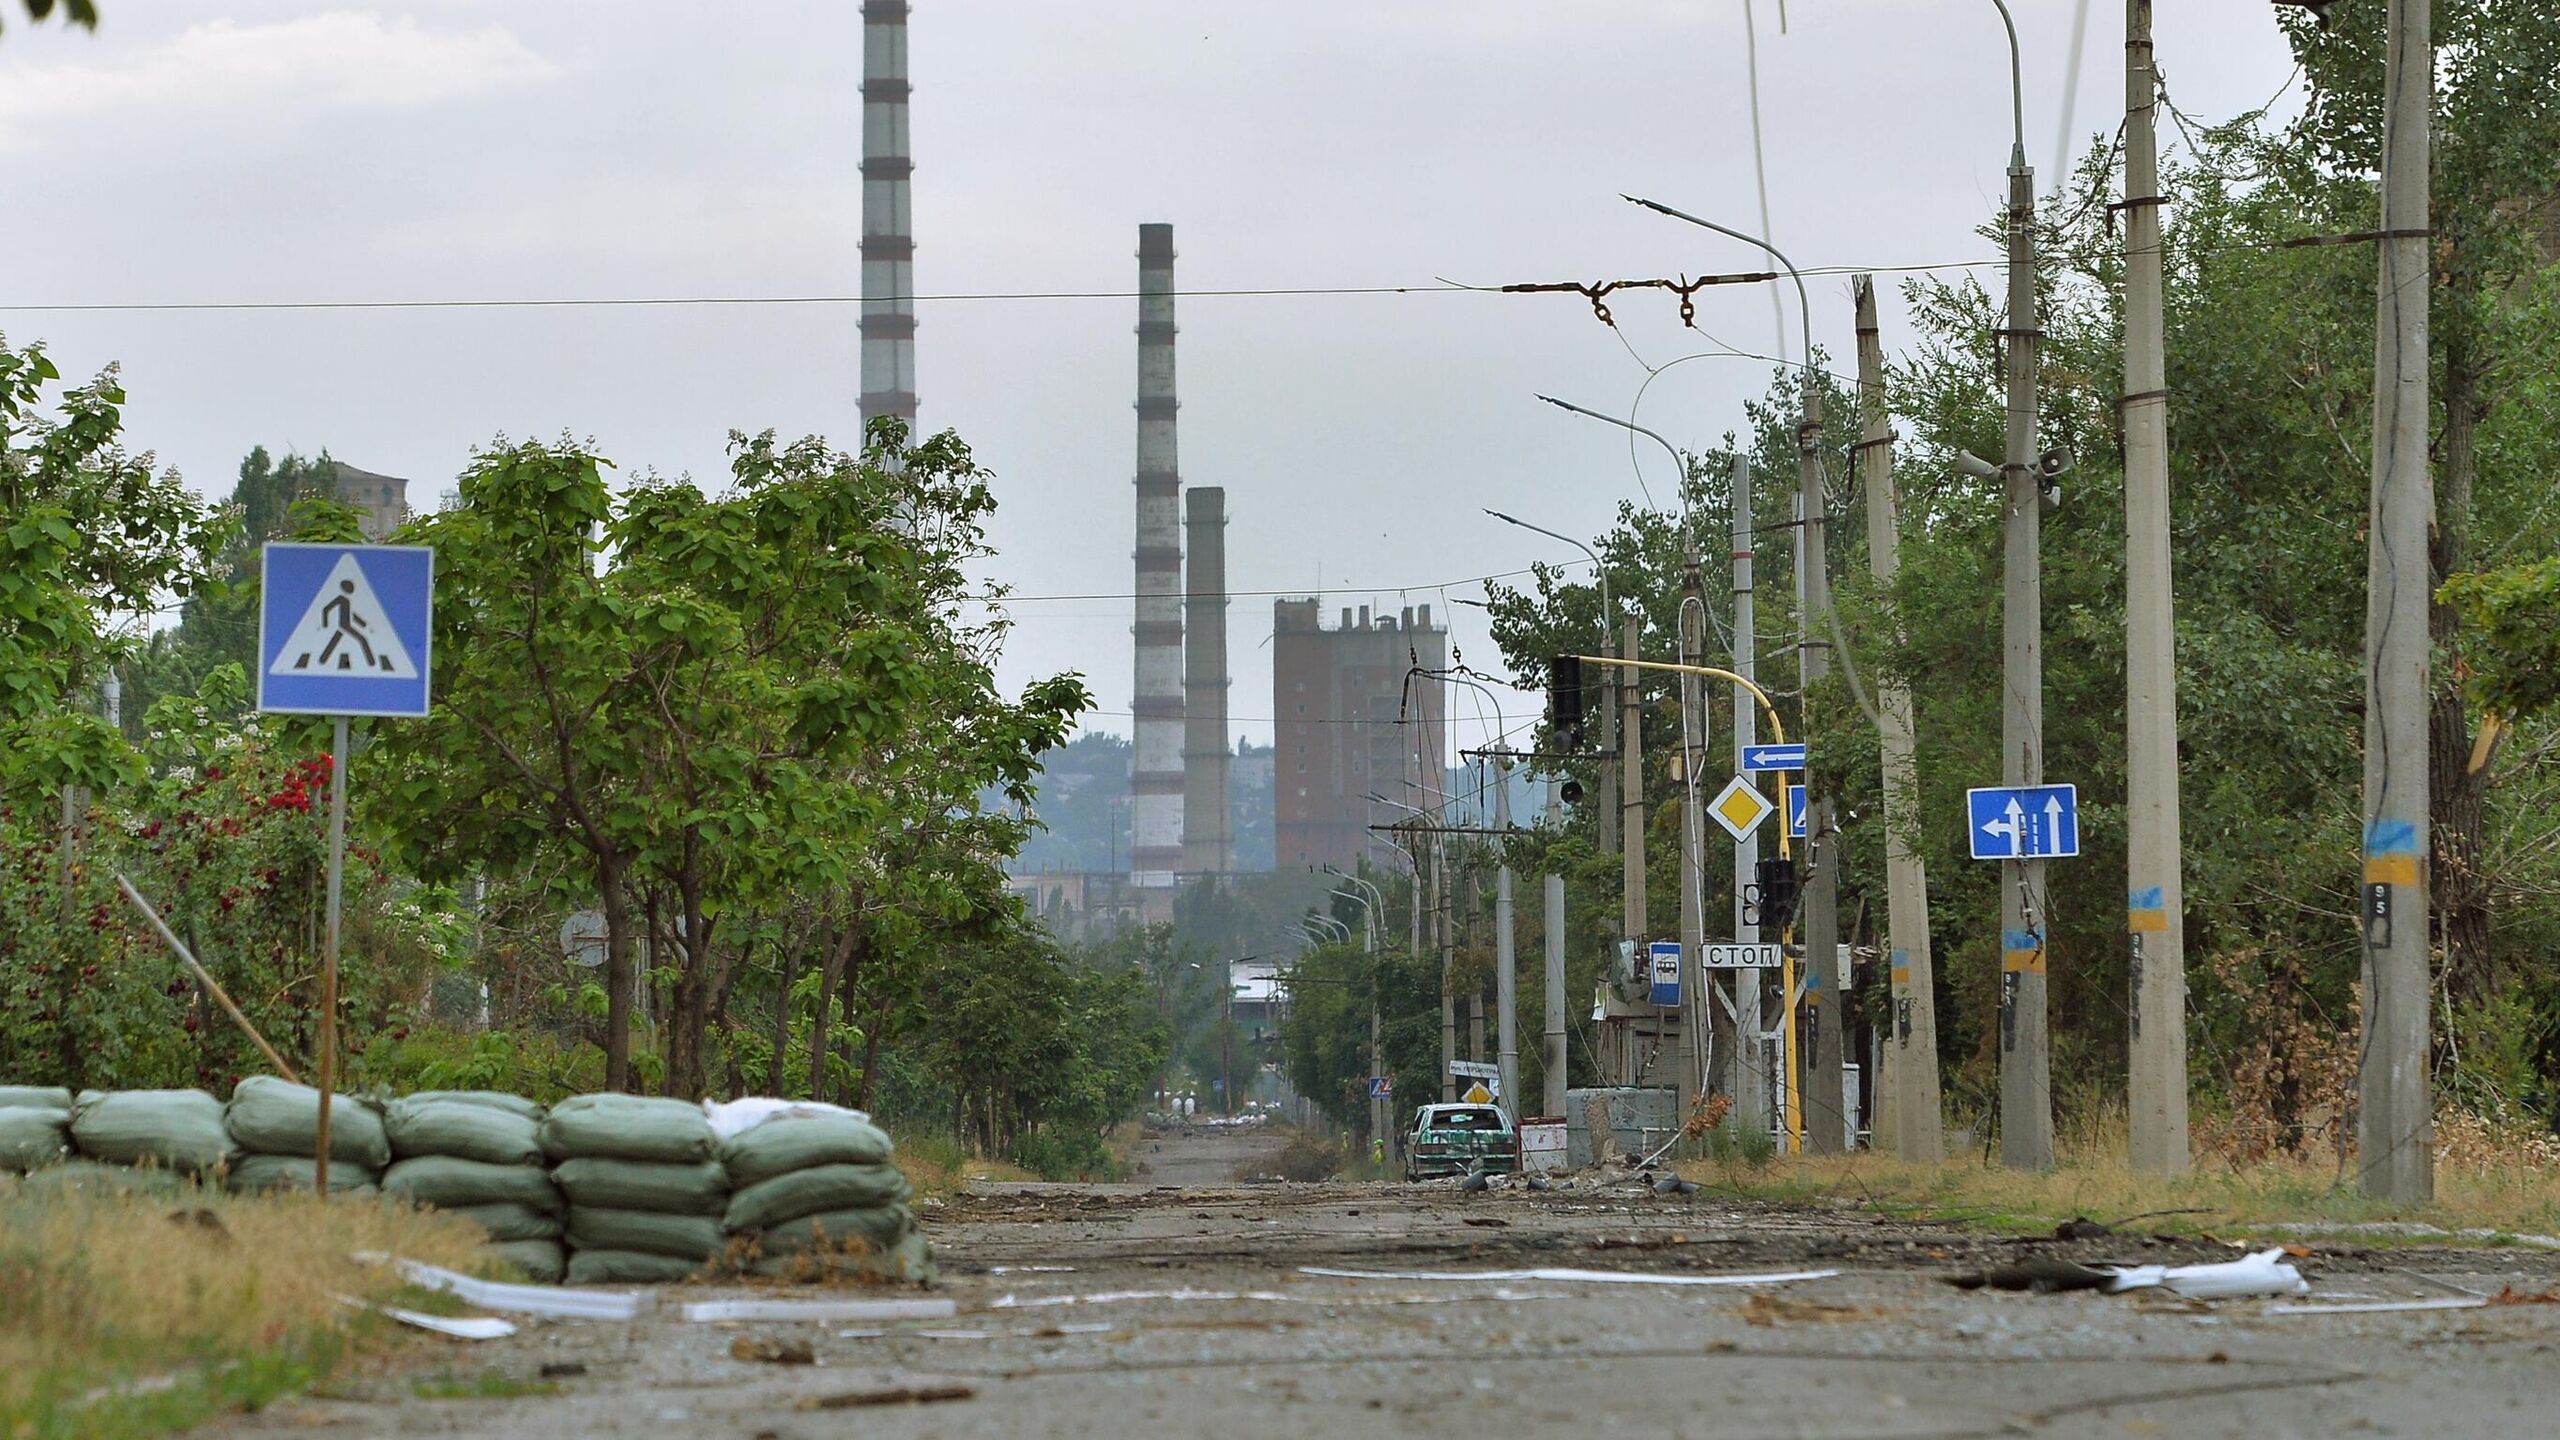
x=2026, y=822
x=343, y=629
x=1740, y=957
x=1795, y=811
x=1740, y=807
x=1476, y=1069
x=1773, y=757
x=1666, y=972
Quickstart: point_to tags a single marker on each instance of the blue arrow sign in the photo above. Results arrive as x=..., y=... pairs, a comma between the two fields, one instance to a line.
x=343, y=629
x=1666, y=972
x=1795, y=812
x=1772, y=757
x=2027, y=822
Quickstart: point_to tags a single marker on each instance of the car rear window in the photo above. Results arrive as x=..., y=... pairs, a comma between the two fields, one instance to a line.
x=1474, y=1119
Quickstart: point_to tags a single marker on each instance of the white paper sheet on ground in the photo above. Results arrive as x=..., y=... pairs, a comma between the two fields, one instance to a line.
x=823, y=1310
x=2263, y=1273
x=548, y=1300
x=1031, y=1269
x=2379, y=1307
x=733, y=1118
x=1596, y=1277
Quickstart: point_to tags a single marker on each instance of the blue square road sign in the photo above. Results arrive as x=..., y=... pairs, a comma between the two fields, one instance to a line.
x=1795, y=812
x=2024, y=822
x=344, y=629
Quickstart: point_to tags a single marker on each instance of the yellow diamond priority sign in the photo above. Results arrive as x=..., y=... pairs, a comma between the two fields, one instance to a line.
x=1740, y=807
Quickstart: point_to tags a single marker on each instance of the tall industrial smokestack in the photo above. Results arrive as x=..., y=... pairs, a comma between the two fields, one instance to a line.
x=1155, y=775
x=888, y=221
x=1208, y=834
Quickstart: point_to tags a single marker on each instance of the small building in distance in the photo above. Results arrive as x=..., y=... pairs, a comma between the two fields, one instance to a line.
x=1351, y=719
x=383, y=498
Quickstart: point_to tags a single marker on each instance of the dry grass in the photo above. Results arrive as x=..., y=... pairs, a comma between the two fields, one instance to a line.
x=132, y=1315
x=2486, y=1181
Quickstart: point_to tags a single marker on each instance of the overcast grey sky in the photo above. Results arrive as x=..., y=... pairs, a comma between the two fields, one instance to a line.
x=271, y=150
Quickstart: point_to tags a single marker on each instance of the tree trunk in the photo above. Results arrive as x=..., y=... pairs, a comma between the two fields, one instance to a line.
x=790, y=971
x=830, y=974
x=856, y=944
x=618, y=975
x=2457, y=826
x=870, y=1067
x=688, y=1027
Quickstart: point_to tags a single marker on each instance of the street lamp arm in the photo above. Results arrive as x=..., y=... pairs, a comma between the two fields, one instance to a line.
x=1598, y=570
x=2017, y=92
x=1769, y=711
x=1804, y=307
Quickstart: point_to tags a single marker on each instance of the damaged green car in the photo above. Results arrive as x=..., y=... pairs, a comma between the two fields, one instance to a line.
x=1451, y=1139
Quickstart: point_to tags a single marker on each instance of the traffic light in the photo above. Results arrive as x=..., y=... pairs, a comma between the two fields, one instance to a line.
x=1564, y=701
x=1775, y=894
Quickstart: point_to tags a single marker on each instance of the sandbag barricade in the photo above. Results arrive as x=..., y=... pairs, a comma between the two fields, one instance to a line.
x=478, y=1154
x=35, y=1128
x=645, y=1193
x=275, y=1126
x=178, y=1133
x=816, y=1195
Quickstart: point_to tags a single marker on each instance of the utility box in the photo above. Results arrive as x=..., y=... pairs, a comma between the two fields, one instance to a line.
x=1637, y=1120
x=1544, y=1143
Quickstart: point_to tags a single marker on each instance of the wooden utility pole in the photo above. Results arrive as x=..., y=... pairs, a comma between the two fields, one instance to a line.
x=1821, y=1073
x=2155, y=906
x=2026, y=1082
x=2394, y=1129
x=1911, y=1048
x=1448, y=943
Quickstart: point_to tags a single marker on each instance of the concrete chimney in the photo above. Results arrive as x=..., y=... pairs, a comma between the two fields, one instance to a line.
x=1208, y=832
x=888, y=224
x=1155, y=778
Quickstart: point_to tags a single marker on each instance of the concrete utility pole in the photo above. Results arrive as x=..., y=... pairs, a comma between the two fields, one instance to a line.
x=2155, y=906
x=2026, y=1091
x=1631, y=801
x=1506, y=977
x=1448, y=943
x=1693, y=859
x=1751, y=1067
x=1553, y=1068
x=2395, y=1134
x=1912, y=1051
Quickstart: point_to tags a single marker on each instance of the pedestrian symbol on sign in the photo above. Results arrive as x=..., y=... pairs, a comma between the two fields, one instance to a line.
x=344, y=630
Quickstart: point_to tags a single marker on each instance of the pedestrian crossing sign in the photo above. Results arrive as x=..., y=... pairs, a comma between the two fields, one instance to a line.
x=343, y=629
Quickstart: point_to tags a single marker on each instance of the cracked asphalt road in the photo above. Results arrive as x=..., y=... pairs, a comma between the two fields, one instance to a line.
x=1179, y=1305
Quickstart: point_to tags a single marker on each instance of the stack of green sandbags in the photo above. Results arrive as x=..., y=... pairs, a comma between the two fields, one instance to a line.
x=645, y=1193
x=275, y=1124
x=817, y=1197
x=35, y=1127
x=478, y=1153
x=155, y=1137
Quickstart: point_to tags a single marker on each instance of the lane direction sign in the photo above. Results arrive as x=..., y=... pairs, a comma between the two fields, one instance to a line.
x=1382, y=1087
x=2025, y=822
x=1795, y=812
x=1773, y=757
x=343, y=629
x=1740, y=807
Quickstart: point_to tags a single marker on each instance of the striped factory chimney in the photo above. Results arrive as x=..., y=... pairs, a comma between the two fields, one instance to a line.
x=888, y=222
x=1155, y=774
x=1208, y=832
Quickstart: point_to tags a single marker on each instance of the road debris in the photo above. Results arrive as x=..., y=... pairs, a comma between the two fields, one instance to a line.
x=2379, y=1307
x=2041, y=1275
x=894, y=1395
x=715, y=1312
x=1766, y=1310
x=2261, y=1273
x=457, y=1327
x=1596, y=1277
x=770, y=1351
x=545, y=1300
